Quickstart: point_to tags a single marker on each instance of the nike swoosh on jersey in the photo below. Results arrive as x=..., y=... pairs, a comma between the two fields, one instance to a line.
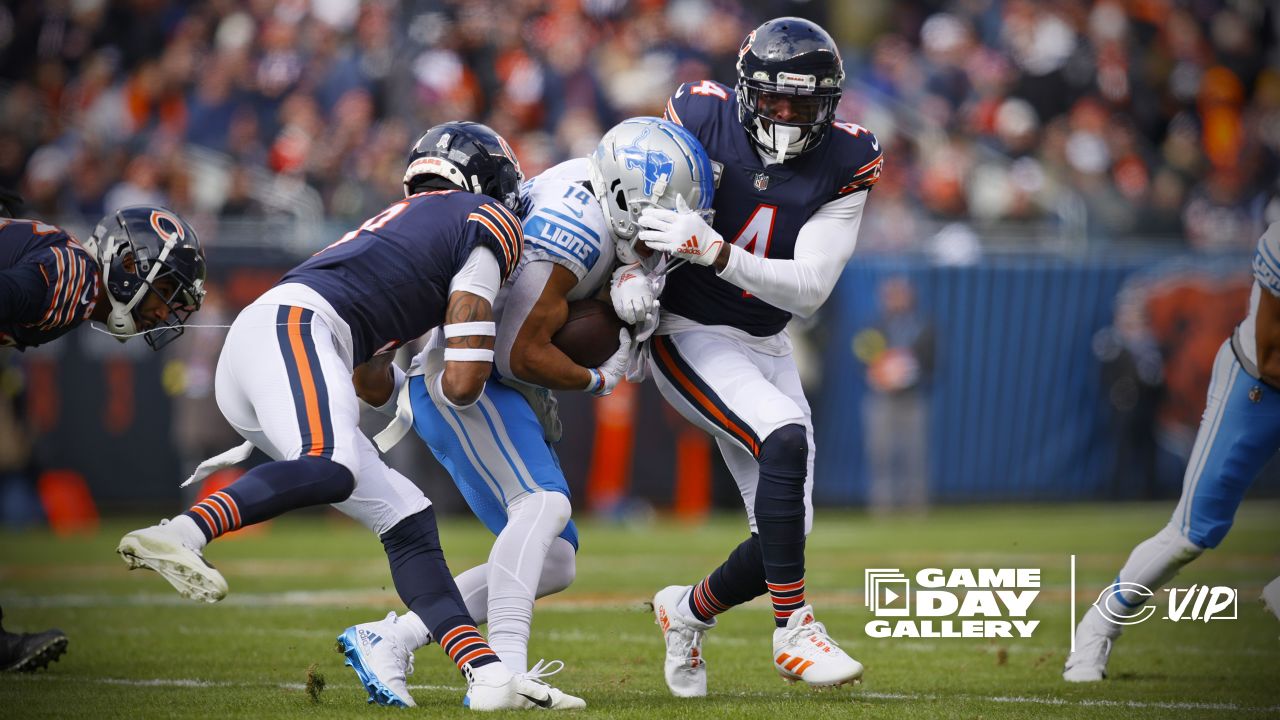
x=544, y=703
x=875, y=144
x=680, y=91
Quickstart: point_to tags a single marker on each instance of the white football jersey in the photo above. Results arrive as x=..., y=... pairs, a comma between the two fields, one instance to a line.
x=1266, y=277
x=565, y=225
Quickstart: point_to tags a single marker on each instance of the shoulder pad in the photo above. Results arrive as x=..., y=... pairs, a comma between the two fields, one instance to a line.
x=691, y=95
x=1266, y=261
x=559, y=235
x=858, y=152
x=72, y=278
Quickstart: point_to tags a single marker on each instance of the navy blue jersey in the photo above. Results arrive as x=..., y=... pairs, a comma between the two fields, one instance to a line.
x=759, y=209
x=48, y=283
x=389, y=278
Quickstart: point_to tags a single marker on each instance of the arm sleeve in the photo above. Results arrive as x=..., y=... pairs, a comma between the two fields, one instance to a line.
x=479, y=275
x=800, y=286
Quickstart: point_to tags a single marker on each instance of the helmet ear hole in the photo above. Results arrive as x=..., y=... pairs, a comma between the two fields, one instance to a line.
x=620, y=199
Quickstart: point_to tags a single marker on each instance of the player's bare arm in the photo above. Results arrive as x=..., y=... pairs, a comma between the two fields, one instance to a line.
x=463, y=380
x=534, y=359
x=1268, y=334
x=375, y=379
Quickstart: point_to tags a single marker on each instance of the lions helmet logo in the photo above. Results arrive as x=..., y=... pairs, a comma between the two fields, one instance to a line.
x=656, y=165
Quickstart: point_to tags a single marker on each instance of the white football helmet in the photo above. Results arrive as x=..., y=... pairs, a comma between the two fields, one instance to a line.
x=648, y=161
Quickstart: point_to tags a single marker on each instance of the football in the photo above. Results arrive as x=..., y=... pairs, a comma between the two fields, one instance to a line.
x=590, y=334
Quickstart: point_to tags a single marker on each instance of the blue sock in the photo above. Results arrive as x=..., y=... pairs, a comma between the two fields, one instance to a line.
x=780, y=517
x=739, y=579
x=272, y=489
x=426, y=586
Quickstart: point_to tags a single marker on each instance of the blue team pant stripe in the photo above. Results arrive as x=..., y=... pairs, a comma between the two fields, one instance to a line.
x=291, y=367
x=700, y=395
x=321, y=387
x=502, y=446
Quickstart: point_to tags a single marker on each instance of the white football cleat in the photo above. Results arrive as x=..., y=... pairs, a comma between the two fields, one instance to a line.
x=685, y=668
x=1271, y=597
x=160, y=548
x=374, y=651
x=494, y=687
x=1088, y=662
x=560, y=700
x=803, y=651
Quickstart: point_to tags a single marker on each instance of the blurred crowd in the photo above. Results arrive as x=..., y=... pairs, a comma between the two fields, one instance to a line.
x=1108, y=118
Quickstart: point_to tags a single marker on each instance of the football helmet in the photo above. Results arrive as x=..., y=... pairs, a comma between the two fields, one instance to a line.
x=471, y=156
x=789, y=76
x=643, y=162
x=137, y=248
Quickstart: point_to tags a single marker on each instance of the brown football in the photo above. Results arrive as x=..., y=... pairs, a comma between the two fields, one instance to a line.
x=590, y=334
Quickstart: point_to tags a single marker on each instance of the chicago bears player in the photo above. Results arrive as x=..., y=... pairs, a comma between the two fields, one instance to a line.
x=1239, y=432
x=787, y=212
x=153, y=268
x=148, y=259
x=499, y=451
x=284, y=382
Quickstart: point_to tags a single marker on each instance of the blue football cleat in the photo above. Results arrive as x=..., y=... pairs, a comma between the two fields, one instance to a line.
x=379, y=660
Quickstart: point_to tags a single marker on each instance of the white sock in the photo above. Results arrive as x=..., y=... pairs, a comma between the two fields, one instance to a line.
x=515, y=567
x=413, y=632
x=190, y=533
x=1154, y=562
x=557, y=574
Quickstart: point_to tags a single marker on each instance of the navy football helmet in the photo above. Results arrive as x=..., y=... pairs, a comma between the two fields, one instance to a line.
x=471, y=156
x=789, y=75
x=145, y=250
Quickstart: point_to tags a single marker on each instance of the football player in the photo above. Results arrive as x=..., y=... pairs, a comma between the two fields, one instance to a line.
x=152, y=266
x=499, y=451
x=140, y=273
x=787, y=211
x=1239, y=432
x=284, y=382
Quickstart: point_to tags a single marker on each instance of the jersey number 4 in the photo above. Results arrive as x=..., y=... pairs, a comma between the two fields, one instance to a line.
x=757, y=233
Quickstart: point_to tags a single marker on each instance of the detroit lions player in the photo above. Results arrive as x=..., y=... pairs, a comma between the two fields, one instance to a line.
x=1239, y=432
x=284, y=382
x=148, y=259
x=499, y=451
x=787, y=212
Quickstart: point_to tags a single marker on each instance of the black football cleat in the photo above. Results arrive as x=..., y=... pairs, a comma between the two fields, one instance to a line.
x=28, y=652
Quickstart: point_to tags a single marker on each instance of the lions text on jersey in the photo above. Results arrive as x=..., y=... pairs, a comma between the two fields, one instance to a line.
x=759, y=207
x=48, y=283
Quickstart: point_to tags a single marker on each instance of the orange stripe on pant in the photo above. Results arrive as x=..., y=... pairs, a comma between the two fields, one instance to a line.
x=308, y=382
x=669, y=364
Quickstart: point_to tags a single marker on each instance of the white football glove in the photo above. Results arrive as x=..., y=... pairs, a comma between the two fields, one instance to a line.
x=606, y=377
x=632, y=294
x=680, y=232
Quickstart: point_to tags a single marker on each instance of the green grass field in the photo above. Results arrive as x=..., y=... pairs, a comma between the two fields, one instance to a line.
x=137, y=650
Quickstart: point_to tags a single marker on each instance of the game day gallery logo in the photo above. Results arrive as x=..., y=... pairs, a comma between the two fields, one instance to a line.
x=960, y=603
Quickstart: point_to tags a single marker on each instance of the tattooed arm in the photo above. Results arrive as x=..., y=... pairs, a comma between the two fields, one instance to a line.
x=463, y=380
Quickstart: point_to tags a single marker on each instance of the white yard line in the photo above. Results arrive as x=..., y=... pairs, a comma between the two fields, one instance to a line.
x=1074, y=703
x=194, y=683
x=855, y=695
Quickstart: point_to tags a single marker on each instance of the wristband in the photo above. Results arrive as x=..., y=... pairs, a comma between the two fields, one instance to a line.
x=468, y=355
